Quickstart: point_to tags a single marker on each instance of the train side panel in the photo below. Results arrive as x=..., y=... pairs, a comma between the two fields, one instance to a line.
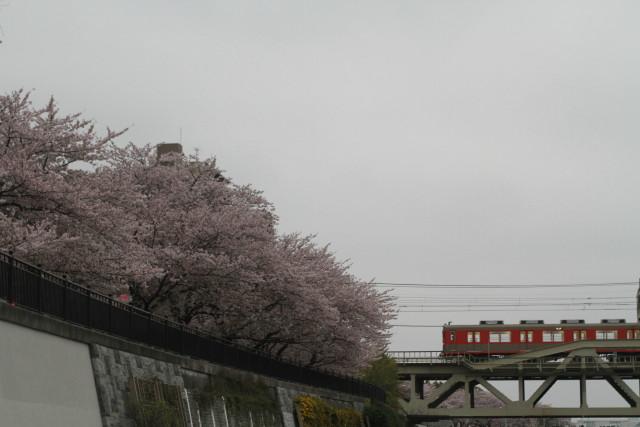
x=511, y=339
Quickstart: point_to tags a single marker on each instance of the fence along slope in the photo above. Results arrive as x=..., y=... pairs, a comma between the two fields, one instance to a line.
x=29, y=286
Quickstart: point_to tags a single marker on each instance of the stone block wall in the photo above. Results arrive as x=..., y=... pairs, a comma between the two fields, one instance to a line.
x=115, y=361
x=114, y=368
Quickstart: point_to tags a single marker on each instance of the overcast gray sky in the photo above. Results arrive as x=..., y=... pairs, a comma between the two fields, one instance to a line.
x=428, y=141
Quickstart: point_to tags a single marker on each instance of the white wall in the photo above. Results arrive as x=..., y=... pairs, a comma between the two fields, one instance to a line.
x=45, y=381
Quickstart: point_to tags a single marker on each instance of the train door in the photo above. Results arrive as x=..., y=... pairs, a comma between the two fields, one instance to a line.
x=579, y=335
x=526, y=340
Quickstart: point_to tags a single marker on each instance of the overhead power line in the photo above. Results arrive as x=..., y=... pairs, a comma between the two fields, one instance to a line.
x=513, y=298
x=515, y=308
x=416, y=326
x=543, y=304
x=485, y=286
x=422, y=300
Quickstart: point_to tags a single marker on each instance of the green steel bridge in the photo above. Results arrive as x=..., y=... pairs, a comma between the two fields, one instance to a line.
x=582, y=361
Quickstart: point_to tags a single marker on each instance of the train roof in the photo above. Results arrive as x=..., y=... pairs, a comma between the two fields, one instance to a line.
x=605, y=323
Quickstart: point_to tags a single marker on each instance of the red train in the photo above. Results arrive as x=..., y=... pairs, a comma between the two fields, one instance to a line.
x=495, y=338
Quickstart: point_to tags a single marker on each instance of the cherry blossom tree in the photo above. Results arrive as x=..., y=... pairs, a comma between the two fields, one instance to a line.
x=180, y=238
x=187, y=229
x=313, y=310
x=205, y=252
x=484, y=399
x=43, y=198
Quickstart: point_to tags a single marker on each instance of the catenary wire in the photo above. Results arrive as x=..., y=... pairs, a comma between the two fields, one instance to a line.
x=608, y=304
x=511, y=310
x=484, y=286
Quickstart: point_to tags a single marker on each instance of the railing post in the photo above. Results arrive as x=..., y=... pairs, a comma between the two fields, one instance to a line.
x=147, y=336
x=64, y=298
x=165, y=341
x=88, y=309
x=39, y=292
x=109, y=310
x=10, y=297
x=130, y=332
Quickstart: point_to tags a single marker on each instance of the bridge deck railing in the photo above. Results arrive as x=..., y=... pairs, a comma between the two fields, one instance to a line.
x=424, y=357
x=616, y=361
x=31, y=287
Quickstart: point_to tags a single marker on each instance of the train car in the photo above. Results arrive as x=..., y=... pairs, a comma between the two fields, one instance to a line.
x=494, y=338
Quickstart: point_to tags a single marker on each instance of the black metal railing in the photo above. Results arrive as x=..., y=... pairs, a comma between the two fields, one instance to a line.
x=29, y=286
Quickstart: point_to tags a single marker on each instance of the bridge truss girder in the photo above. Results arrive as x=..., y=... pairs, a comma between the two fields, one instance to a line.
x=582, y=364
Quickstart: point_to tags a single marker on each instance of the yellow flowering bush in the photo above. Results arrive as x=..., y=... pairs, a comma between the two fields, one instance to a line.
x=315, y=412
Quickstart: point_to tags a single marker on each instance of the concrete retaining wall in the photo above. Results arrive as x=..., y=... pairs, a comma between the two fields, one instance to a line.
x=45, y=380
x=82, y=376
x=114, y=368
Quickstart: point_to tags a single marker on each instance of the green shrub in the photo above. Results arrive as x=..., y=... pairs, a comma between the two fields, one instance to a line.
x=315, y=412
x=383, y=373
x=381, y=415
x=239, y=395
x=158, y=413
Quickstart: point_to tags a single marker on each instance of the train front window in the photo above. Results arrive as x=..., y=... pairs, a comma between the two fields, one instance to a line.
x=495, y=337
x=452, y=336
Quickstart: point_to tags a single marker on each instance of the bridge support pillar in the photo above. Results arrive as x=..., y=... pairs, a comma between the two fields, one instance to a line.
x=413, y=386
x=469, y=397
x=579, y=361
x=521, y=389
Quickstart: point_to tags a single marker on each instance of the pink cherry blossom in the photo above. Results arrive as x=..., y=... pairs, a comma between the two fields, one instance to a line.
x=180, y=239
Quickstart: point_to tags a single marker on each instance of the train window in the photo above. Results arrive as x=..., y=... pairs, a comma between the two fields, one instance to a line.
x=636, y=334
x=633, y=334
x=552, y=336
x=606, y=335
x=500, y=336
x=526, y=336
x=452, y=336
x=469, y=336
x=629, y=334
x=579, y=335
x=576, y=335
x=477, y=336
